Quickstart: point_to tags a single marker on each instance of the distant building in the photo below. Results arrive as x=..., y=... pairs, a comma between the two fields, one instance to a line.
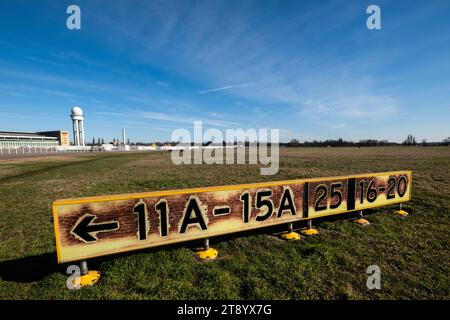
x=50, y=139
x=62, y=136
x=139, y=147
x=123, y=147
x=107, y=147
x=57, y=139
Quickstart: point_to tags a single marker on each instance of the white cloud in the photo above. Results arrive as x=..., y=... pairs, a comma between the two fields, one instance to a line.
x=242, y=85
x=162, y=84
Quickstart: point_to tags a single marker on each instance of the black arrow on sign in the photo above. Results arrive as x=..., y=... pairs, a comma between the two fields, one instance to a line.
x=84, y=228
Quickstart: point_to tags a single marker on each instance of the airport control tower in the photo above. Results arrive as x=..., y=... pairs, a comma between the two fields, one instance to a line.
x=78, y=126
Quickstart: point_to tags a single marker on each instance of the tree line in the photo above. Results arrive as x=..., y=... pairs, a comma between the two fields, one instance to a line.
x=409, y=141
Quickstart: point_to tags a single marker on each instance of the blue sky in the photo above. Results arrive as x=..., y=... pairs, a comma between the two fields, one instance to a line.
x=309, y=68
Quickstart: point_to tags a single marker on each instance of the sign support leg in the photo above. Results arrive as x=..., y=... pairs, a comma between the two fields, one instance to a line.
x=401, y=212
x=290, y=234
x=309, y=231
x=360, y=220
x=207, y=253
x=88, y=277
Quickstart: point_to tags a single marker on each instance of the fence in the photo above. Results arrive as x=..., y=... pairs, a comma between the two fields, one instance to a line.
x=41, y=150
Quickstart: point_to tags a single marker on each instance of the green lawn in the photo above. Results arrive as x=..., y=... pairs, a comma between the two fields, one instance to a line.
x=412, y=252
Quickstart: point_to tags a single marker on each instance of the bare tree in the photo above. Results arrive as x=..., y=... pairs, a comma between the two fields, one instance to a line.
x=446, y=142
x=410, y=140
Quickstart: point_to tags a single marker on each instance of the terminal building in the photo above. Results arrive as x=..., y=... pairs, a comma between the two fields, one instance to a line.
x=58, y=140
x=46, y=139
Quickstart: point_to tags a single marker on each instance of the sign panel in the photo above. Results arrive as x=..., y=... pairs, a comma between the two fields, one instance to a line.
x=96, y=226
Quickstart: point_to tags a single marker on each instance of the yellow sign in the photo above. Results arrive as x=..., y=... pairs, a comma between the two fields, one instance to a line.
x=96, y=226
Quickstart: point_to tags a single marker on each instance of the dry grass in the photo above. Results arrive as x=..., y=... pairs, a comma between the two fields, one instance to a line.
x=412, y=252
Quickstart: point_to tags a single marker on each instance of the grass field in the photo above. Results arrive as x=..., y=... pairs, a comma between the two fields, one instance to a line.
x=412, y=252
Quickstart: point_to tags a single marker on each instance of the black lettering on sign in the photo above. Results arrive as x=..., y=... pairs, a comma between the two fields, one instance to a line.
x=221, y=210
x=86, y=229
x=141, y=210
x=261, y=203
x=390, y=191
x=321, y=188
x=246, y=207
x=305, y=199
x=372, y=193
x=402, y=186
x=193, y=215
x=335, y=194
x=286, y=202
x=351, y=185
x=163, y=209
x=361, y=196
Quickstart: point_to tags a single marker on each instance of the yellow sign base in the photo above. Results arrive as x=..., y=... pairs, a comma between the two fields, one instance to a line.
x=290, y=236
x=88, y=279
x=208, y=254
x=403, y=213
x=362, y=222
x=309, y=232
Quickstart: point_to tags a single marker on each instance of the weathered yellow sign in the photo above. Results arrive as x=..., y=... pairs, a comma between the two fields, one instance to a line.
x=96, y=226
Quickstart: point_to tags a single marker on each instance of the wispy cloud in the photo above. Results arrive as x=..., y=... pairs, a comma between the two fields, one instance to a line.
x=180, y=119
x=242, y=85
x=21, y=90
x=337, y=125
x=187, y=120
x=162, y=84
x=113, y=114
x=340, y=106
